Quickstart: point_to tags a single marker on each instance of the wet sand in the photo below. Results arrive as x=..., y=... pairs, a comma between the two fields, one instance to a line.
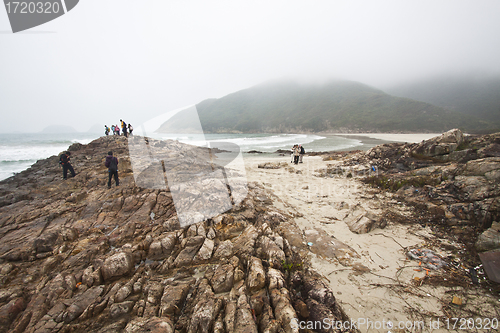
x=371, y=275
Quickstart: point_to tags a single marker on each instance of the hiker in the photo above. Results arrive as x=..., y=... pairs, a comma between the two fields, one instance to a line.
x=301, y=153
x=66, y=165
x=113, y=129
x=291, y=153
x=117, y=130
x=130, y=129
x=112, y=165
x=296, y=153
x=106, y=130
x=124, y=127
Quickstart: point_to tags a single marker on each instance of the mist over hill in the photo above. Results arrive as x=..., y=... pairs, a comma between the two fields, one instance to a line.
x=341, y=106
x=58, y=129
x=469, y=94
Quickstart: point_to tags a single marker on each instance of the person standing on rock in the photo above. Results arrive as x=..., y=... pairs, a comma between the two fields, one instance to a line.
x=130, y=129
x=112, y=165
x=124, y=127
x=66, y=165
x=106, y=130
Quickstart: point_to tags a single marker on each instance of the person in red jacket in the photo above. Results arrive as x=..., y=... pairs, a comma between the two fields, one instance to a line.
x=112, y=165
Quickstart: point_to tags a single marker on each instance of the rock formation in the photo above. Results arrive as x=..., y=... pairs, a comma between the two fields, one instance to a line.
x=452, y=181
x=78, y=257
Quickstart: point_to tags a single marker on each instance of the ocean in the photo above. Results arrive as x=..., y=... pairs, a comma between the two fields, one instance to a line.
x=19, y=151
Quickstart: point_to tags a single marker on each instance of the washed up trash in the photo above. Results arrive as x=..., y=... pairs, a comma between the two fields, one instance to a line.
x=426, y=257
x=457, y=300
x=310, y=243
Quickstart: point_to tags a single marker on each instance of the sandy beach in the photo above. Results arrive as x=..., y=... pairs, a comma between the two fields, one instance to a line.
x=370, y=273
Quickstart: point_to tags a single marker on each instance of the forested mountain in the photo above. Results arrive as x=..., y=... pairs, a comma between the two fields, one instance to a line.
x=284, y=106
x=469, y=94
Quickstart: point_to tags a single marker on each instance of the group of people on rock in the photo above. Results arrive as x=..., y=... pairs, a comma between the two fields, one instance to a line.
x=111, y=163
x=297, y=154
x=115, y=129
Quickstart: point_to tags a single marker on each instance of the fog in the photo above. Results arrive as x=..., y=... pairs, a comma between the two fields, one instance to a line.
x=113, y=59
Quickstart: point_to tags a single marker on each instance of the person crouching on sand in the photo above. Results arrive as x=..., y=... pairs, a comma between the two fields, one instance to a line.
x=112, y=165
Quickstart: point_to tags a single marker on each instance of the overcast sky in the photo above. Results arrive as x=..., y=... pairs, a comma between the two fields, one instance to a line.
x=111, y=59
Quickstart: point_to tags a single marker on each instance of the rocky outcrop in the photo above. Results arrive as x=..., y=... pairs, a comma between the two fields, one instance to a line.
x=76, y=256
x=452, y=182
x=489, y=239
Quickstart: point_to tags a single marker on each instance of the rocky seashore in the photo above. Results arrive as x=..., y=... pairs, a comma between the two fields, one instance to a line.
x=452, y=181
x=76, y=256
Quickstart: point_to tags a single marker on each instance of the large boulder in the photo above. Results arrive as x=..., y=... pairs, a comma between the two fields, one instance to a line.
x=489, y=239
x=117, y=265
x=444, y=144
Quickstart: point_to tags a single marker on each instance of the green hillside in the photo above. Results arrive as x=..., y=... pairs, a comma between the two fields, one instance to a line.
x=471, y=95
x=281, y=107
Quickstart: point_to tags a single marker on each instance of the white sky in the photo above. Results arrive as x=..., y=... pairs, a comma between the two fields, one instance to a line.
x=112, y=59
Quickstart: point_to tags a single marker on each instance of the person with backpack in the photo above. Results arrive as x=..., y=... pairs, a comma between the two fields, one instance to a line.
x=301, y=153
x=117, y=130
x=124, y=127
x=66, y=165
x=106, y=130
x=130, y=129
x=112, y=165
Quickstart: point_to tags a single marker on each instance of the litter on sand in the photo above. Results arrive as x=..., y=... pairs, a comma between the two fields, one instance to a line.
x=426, y=257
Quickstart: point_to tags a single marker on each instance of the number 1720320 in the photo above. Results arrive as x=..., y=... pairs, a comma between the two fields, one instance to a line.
x=32, y=7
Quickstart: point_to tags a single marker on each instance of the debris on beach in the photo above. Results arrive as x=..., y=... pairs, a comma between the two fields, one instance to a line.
x=427, y=257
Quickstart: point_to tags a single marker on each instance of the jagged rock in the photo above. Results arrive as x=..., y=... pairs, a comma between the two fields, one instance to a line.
x=81, y=302
x=162, y=248
x=205, y=251
x=192, y=246
x=256, y=276
x=284, y=311
x=221, y=277
x=244, y=319
x=172, y=299
x=489, y=239
x=276, y=279
x=10, y=311
x=440, y=145
x=487, y=167
x=85, y=258
x=123, y=293
x=154, y=291
x=244, y=244
x=117, y=265
x=361, y=222
x=271, y=252
x=153, y=324
x=206, y=309
x=224, y=250
x=119, y=309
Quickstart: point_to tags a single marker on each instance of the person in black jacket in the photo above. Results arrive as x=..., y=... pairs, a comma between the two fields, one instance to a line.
x=112, y=165
x=66, y=165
